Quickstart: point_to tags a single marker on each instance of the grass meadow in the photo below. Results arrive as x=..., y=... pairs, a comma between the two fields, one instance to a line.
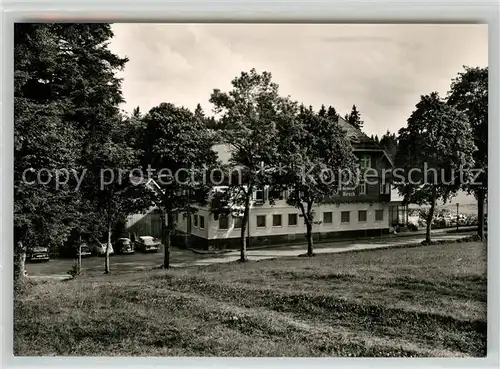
x=421, y=301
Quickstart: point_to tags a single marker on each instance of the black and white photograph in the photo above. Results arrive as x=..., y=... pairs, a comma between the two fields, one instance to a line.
x=250, y=189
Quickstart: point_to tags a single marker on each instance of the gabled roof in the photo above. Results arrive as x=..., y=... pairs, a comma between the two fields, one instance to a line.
x=359, y=140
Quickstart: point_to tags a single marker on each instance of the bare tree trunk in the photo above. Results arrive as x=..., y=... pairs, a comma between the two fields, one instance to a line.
x=244, y=225
x=310, y=251
x=166, y=254
x=20, y=261
x=80, y=254
x=108, y=246
x=243, y=238
x=166, y=237
x=430, y=216
x=308, y=220
x=480, y=213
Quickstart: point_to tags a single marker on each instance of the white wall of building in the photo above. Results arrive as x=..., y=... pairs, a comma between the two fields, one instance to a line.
x=199, y=228
x=213, y=232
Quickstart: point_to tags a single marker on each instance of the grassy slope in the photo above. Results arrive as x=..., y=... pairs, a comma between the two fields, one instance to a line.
x=426, y=301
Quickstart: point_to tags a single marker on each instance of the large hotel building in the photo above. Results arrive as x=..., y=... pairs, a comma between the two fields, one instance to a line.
x=362, y=211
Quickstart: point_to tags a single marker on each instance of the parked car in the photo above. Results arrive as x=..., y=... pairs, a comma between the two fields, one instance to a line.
x=413, y=223
x=99, y=248
x=147, y=244
x=84, y=249
x=124, y=246
x=37, y=254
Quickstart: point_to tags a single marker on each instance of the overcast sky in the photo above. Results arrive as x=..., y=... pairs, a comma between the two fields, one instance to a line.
x=383, y=69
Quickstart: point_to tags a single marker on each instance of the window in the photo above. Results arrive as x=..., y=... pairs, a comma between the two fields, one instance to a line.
x=223, y=222
x=362, y=188
x=277, y=220
x=259, y=195
x=327, y=217
x=362, y=216
x=195, y=220
x=379, y=215
x=261, y=221
x=345, y=217
x=292, y=219
x=276, y=195
x=238, y=221
x=365, y=162
x=202, y=221
x=385, y=189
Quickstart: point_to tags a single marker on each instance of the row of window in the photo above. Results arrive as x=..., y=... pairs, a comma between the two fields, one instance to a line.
x=261, y=195
x=345, y=217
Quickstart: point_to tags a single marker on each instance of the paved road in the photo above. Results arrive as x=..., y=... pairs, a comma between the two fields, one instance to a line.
x=319, y=249
x=58, y=268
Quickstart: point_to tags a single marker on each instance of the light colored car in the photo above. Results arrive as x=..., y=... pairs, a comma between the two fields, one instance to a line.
x=99, y=248
x=147, y=244
x=413, y=222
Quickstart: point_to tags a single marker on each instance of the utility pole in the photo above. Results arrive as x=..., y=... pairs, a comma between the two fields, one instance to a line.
x=188, y=224
x=457, y=215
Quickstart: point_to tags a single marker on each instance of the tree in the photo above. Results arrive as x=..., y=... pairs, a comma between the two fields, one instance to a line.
x=312, y=153
x=354, y=117
x=198, y=112
x=249, y=113
x=43, y=143
x=469, y=94
x=332, y=113
x=66, y=96
x=96, y=94
x=322, y=112
x=437, y=140
x=389, y=143
x=177, y=147
x=118, y=194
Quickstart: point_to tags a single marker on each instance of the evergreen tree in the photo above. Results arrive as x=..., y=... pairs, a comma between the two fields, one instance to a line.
x=332, y=113
x=354, y=117
x=389, y=143
x=322, y=112
x=66, y=97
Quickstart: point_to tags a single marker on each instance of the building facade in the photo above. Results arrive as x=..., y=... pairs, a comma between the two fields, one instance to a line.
x=357, y=212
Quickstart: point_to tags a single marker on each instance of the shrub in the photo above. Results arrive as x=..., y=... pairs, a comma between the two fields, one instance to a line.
x=75, y=270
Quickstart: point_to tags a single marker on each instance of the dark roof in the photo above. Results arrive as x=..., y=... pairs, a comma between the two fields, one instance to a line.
x=359, y=140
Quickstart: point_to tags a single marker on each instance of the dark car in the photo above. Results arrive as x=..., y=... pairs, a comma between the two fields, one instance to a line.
x=37, y=254
x=84, y=249
x=147, y=244
x=124, y=246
